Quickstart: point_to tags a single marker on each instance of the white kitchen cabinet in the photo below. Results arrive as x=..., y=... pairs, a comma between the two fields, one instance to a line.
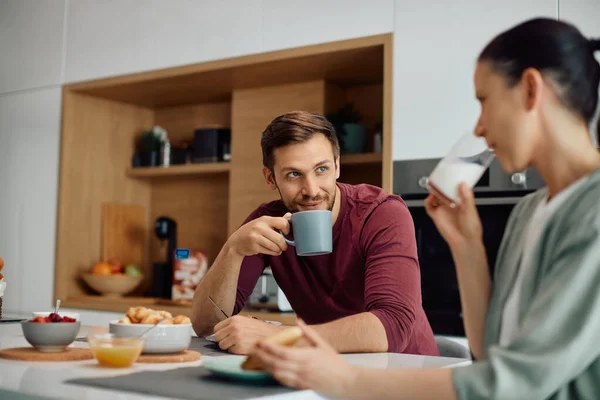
x=109, y=38
x=287, y=23
x=584, y=14
x=435, y=50
x=29, y=154
x=31, y=36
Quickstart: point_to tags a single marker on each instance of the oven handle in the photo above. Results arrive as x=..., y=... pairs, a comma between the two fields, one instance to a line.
x=478, y=201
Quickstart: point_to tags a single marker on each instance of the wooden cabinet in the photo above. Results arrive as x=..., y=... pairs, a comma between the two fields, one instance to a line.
x=102, y=118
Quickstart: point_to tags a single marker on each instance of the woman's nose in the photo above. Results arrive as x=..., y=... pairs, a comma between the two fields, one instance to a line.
x=479, y=130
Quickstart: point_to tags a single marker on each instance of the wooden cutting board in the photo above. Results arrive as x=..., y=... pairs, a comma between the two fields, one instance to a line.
x=184, y=356
x=123, y=233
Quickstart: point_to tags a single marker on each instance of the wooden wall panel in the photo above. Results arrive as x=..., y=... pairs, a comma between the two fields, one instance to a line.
x=198, y=205
x=96, y=148
x=180, y=122
x=368, y=100
x=252, y=111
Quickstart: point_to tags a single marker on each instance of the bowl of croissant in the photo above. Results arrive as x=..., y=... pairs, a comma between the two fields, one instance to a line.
x=172, y=335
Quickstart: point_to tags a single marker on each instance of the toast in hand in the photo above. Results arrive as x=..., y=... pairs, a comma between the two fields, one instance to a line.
x=288, y=337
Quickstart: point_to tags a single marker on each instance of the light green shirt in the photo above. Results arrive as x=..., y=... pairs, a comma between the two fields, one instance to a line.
x=556, y=350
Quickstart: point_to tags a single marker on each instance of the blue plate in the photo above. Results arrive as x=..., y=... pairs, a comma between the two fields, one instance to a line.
x=231, y=367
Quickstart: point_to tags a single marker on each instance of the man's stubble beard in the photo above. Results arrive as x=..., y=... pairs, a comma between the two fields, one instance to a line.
x=293, y=209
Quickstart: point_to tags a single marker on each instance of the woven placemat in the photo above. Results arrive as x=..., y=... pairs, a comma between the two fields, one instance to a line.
x=184, y=356
x=31, y=354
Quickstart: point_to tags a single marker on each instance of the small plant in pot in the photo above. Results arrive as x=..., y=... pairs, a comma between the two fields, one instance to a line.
x=351, y=133
x=150, y=145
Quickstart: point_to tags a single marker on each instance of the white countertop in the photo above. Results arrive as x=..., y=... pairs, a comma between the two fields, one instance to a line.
x=46, y=378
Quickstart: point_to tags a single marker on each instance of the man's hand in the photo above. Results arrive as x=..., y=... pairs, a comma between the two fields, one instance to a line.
x=239, y=334
x=261, y=236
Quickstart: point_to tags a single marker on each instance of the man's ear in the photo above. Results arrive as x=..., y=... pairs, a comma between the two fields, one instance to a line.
x=269, y=178
x=337, y=167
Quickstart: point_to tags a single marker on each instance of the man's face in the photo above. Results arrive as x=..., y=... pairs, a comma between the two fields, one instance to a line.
x=305, y=175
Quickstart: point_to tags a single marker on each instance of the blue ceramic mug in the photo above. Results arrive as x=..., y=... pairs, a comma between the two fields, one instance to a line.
x=312, y=232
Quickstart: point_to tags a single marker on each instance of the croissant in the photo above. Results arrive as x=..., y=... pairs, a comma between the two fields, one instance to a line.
x=125, y=320
x=132, y=314
x=287, y=337
x=154, y=317
x=181, y=319
x=165, y=314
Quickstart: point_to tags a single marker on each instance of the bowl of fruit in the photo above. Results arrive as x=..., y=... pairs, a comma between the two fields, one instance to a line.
x=110, y=278
x=52, y=333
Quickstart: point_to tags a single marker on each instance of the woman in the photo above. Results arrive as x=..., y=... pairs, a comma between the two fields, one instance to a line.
x=534, y=333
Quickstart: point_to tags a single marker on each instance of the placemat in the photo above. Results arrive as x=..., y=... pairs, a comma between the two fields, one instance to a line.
x=31, y=354
x=206, y=347
x=184, y=383
x=184, y=356
x=187, y=382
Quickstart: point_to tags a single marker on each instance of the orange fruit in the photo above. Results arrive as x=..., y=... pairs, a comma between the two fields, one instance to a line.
x=102, y=268
x=1, y=263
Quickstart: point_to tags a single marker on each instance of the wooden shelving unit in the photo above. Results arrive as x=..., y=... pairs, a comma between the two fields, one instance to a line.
x=178, y=170
x=361, y=159
x=101, y=120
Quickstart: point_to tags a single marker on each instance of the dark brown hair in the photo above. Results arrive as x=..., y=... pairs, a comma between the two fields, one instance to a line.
x=295, y=127
x=559, y=51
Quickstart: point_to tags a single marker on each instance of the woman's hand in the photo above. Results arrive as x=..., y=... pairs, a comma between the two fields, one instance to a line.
x=317, y=366
x=459, y=226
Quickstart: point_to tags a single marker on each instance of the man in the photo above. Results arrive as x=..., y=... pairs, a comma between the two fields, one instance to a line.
x=363, y=297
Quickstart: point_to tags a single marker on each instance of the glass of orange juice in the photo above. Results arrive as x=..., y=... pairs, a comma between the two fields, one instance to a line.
x=115, y=352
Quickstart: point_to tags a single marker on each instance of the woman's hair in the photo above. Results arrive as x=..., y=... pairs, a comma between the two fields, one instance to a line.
x=295, y=127
x=559, y=51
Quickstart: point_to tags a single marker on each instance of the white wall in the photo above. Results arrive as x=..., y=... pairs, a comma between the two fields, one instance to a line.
x=31, y=36
x=31, y=61
x=107, y=38
x=29, y=137
x=435, y=49
x=289, y=24
x=45, y=43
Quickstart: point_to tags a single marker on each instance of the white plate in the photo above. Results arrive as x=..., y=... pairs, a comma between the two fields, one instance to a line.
x=230, y=367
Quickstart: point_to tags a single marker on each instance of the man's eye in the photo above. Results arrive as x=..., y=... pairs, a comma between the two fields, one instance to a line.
x=293, y=175
x=322, y=169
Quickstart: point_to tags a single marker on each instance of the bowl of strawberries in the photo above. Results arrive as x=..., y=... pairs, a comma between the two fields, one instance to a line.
x=52, y=333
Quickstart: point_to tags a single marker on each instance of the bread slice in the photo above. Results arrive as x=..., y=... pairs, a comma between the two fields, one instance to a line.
x=287, y=337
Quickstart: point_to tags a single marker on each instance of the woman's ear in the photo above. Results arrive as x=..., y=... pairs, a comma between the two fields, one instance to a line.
x=269, y=178
x=532, y=82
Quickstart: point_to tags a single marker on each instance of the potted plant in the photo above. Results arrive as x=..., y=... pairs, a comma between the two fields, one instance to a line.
x=351, y=133
x=151, y=143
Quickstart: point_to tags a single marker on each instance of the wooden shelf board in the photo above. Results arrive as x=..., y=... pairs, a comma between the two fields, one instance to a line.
x=122, y=304
x=178, y=170
x=358, y=159
x=349, y=62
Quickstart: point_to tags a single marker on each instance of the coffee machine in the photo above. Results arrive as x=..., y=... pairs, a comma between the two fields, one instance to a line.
x=165, y=229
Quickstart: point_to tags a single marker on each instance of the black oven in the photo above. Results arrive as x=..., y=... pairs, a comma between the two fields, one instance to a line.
x=496, y=193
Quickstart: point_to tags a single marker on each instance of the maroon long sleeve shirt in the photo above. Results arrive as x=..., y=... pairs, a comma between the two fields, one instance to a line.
x=373, y=268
